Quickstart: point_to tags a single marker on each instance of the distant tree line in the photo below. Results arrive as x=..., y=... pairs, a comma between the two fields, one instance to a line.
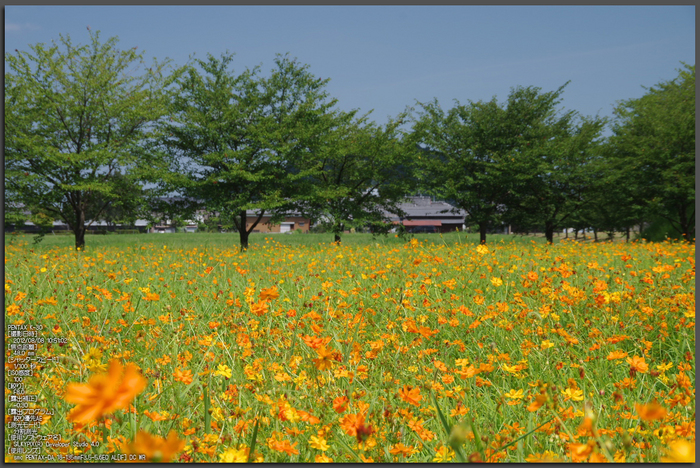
x=93, y=132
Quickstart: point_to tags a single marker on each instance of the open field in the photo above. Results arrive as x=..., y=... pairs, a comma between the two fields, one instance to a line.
x=379, y=349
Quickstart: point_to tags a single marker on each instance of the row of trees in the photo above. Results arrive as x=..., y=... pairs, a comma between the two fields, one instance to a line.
x=92, y=131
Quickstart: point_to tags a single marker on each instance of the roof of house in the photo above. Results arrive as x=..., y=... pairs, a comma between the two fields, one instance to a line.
x=426, y=207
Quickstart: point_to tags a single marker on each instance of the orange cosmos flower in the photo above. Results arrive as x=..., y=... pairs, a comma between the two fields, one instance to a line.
x=340, y=404
x=540, y=400
x=651, y=411
x=638, y=364
x=410, y=395
x=616, y=355
x=580, y=452
x=155, y=448
x=151, y=297
x=104, y=392
x=259, y=308
x=325, y=358
x=401, y=449
x=353, y=424
x=269, y=294
x=184, y=376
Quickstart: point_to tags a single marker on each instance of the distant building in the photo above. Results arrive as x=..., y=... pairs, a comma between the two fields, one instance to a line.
x=423, y=214
x=292, y=221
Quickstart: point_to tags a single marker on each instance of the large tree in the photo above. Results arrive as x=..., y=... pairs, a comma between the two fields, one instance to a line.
x=238, y=138
x=555, y=170
x=653, y=145
x=76, y=122
x=360, y=174
x=466, y=157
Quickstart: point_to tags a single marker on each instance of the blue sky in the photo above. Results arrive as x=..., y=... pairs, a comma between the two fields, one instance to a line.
x=387, y=57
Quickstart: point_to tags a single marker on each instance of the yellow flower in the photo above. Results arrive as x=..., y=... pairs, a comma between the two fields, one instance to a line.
x=232, y=455
x=496, y=281
x=482, y=249
x=318, y=443
x=546, y=344
x=517, y=394
x=680, y=451
x=223, y=370
x=443, y=454
x=573, y=394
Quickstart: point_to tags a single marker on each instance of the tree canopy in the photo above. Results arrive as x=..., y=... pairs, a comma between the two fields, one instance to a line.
x=238, y=138
x=653, y=145
x=77, y=119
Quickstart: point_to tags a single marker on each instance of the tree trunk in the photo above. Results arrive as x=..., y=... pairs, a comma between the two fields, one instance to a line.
x=79, y=230
x=687, y=228
x=628, y=233
x=595, y=235
x=243, y=232
x=575, y=234
x=80, y=238
x=482, y=233
x=339, y=229
x=566, y=233
x=549, y=232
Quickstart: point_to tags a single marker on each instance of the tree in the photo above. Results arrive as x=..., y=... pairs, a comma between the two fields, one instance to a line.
x=555, y=171
x=466, y=162
x=653, y=145
x=362, y=172
x=239, y=138
x=76, y=122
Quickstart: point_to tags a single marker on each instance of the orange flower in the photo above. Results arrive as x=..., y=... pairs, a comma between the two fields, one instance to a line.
x=353, y=423
x=410, y=395
x=284, y=446
x=154, y=448
x=401, y=449
x=151, y=297
x=269, y=294
x=651, y=411
x=315, y=341
x=540, y=400
x=104, y=392
x=259, y=308
x=340, y=404
x=616, y=355
x=154, y=415
x=184, y=376
x=325, y=358
x=638, y=364
x=580, y=452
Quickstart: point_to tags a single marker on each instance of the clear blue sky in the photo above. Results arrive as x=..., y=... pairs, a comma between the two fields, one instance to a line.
x=387, y=57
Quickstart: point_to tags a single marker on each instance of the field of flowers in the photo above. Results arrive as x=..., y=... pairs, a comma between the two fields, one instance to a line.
x=426, y=350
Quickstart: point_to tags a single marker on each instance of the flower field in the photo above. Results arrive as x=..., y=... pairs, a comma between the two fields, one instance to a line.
x=430, y=350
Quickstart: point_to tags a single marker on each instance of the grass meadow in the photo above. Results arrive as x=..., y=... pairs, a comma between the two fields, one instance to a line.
x=180, y=348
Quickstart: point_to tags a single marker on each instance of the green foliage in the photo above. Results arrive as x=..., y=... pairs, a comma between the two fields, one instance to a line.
x=465, y=157
x=518, y=162
x=554, y=170
x=653, y=146
x=76, y=120
x=362, y=171
x=238, y=138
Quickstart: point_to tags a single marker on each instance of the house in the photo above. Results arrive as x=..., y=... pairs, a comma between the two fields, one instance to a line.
x=424, y=214
x=292, y=222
